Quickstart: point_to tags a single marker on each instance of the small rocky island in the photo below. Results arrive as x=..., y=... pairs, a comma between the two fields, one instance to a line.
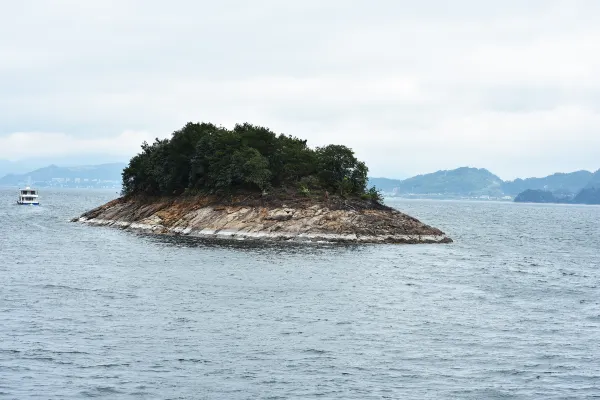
x=248, y=182
x=590, y=196
x=539, y=196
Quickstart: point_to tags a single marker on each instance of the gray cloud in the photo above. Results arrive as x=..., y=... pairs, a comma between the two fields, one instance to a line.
x=412, y=86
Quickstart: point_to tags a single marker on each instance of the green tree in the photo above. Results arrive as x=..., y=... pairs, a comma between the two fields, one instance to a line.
x=252, y=168
x=205, y=157
x=339, y=169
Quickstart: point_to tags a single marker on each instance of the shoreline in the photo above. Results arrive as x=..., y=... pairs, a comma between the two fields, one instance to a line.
x=268, y=236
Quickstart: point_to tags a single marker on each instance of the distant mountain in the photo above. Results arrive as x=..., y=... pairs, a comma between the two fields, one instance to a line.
x=594, y=181
x=588, y=196
x=477, y=182
x=571, y=182
x=461, y=181
x=585, y=196
x=25, y=165
x=104, y=175
x=13, y=167
x=384, y=184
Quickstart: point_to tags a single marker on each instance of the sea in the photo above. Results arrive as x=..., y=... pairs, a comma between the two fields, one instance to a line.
x=510, y=310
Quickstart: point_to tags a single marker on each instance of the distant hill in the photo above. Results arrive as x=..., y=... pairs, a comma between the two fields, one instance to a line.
x=585, y=196
x=477, y=182
x=7, y=167
x=588, y=196
x=104, y=175
x=460, y=181
x=594, y=181
x=571, y=182
x=23, y=166
x=385, y=184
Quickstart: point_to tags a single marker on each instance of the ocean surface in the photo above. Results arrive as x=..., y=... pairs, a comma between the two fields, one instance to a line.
x=509, y=311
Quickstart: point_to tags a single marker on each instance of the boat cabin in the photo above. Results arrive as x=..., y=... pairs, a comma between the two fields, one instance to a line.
x=28, y=196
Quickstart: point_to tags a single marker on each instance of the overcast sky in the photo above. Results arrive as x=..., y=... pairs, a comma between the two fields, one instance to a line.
x=411, y=86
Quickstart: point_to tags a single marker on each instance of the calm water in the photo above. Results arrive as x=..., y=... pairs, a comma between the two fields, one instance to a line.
x=511, y=310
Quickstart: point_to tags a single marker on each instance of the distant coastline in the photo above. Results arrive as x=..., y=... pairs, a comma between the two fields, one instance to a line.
x=458, y=184
x=480, y=184
x=588, y=196
x=102, y=176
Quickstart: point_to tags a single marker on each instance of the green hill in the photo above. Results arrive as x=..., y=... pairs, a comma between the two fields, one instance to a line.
x=594, y=181
x=535, y=196
x=460, y=181
x=570, y=182
x=588, y=196
x=385, y=184
x=476, y=182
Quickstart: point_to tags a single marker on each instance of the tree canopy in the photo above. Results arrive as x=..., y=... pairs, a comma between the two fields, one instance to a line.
x=202, y=157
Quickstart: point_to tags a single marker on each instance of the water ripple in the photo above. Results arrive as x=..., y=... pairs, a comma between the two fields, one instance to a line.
x=510, y=310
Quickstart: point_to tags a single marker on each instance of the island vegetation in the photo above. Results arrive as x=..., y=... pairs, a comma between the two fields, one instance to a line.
x=202, y=158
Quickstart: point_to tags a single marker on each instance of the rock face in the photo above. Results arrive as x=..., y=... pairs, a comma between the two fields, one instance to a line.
x=199, y=216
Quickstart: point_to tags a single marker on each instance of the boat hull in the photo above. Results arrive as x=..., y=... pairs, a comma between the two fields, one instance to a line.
x=27, y=204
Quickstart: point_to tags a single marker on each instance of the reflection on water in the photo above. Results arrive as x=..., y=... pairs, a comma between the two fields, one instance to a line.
x=250, y=245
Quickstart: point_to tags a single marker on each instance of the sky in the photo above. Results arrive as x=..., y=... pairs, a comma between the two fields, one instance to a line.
x=413, y=87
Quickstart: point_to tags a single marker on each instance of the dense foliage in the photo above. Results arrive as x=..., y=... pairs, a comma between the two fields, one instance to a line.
x=202, y=157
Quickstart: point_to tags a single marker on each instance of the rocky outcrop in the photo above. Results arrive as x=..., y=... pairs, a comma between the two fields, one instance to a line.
x=200, y=216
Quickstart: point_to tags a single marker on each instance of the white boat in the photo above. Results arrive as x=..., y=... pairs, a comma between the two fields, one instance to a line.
x=29, y=197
